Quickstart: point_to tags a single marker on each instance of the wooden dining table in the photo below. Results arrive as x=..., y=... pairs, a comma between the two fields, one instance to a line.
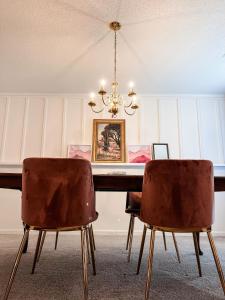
x=102, y=183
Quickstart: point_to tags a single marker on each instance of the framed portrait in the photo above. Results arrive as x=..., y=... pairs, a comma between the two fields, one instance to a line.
x=108, y=142
x=79, y=151
x=139, y=153
x=160, y=151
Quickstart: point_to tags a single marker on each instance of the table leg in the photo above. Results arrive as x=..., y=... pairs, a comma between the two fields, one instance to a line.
x=26, y=244
x=198, y=239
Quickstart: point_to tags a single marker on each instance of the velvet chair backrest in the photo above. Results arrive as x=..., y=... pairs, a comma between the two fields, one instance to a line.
x=57, y=192
x=178, y=193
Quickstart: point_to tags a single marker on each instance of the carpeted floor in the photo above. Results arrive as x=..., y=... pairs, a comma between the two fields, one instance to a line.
x=58, y=274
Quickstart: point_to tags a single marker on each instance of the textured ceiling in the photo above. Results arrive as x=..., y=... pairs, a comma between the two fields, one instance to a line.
x=164, y=46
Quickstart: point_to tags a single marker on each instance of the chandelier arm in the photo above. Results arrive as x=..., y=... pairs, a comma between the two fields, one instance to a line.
x=97, y=111
x=129, y=105
x=103, y=100
x=128, y=113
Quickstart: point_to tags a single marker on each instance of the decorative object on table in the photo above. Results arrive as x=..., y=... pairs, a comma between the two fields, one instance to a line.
x=139, y=153
x=108, y=143
x=114, y=100
x=160, y=151
x=79, y=151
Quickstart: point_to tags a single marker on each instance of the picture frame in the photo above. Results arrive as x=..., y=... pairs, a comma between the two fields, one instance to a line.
x=160, y=151
x=108, y=141
x=138, y=153
x=79, y=151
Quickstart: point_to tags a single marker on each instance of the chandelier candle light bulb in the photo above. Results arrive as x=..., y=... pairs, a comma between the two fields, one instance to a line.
x=92, y=96
x=115, y=100
x=102, y=84
x=131, y=85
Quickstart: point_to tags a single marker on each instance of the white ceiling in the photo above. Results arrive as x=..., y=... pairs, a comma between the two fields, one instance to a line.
x=165, y=46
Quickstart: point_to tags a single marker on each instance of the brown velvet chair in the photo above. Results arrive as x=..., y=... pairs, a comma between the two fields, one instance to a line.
x=133, y=205
x=57, y=195
x=178, y=196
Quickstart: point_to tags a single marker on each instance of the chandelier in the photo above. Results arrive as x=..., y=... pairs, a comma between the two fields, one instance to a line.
x=114, y=100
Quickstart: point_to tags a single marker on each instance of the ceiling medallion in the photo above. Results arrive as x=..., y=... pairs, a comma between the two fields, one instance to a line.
x=114, y=101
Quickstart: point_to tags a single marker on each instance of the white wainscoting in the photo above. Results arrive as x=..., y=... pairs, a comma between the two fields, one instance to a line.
x=44, y=125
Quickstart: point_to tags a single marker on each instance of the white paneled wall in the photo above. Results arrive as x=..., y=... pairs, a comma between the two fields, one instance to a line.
x=44, y=125
x=169, y=124
x=189, y=128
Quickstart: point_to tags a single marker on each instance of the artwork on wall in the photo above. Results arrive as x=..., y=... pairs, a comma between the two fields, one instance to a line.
x=160, y=151
x=139, y=153
x=108, y=142
x=79, y=151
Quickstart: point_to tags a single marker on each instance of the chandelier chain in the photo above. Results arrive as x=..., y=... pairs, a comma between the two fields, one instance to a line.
x=115, y=56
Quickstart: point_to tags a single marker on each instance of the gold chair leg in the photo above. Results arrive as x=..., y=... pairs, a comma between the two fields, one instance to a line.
x=164, y=240
x=141, y=249
x=41, y=245
x=131, y=237
x=88, y=246
x=128, y=234
x=56, y=239
x=197, y=253
x=16, y=263
x=84, y=261
x=92, y=236
x=36, y=251
x=26, y=245
x=150, y=263
x=92, y=250
x=217, y=260
x=198, y=239
x=176, y=247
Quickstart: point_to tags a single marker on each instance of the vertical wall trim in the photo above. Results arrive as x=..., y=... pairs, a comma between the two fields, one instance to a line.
x=24, y=130
x=198, y=124
x=82, y=122
x=5, y=126
x=43, y=138
x=179, y=126
x=139, y=126
x=220, y=132
x=64, y=122
x=158, y=119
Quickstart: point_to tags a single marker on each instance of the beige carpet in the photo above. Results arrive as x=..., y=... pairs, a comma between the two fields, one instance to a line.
x=58, y=274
